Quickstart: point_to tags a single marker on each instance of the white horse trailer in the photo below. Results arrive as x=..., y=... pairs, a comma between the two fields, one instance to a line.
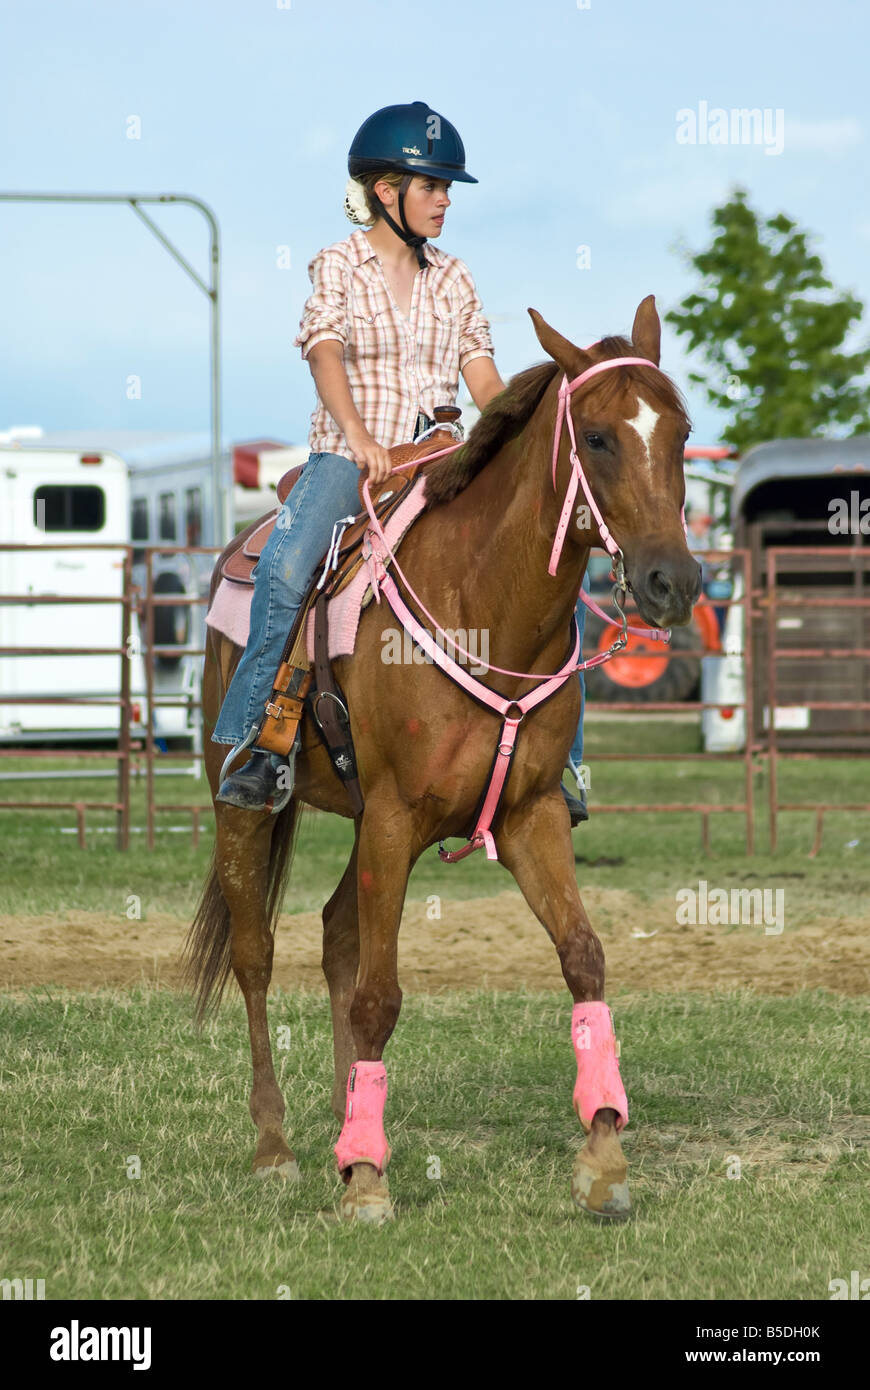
x=81, y=487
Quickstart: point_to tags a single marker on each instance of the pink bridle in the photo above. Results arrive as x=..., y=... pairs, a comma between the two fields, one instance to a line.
x=566, y=390
x=563, y=413
x=379, y=554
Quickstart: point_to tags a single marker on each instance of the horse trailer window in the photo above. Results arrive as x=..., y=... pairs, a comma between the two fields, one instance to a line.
x=193, y=516
x=139, y=519
x=167, y=516
x=69, y=507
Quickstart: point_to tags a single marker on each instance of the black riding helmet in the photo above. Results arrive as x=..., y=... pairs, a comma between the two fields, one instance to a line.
x=413, y=138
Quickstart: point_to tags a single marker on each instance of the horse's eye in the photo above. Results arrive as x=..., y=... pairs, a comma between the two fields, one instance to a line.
x=594, y=441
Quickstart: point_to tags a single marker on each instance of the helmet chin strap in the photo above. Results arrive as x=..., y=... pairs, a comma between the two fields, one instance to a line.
x=409, y=238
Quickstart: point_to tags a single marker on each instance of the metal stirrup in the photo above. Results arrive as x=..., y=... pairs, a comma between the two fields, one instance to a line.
x=239, y=748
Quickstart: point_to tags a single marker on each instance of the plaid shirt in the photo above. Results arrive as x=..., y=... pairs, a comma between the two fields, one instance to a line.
x=395, y=366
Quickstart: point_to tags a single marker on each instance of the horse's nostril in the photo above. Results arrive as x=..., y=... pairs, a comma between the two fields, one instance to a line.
x=660, y=584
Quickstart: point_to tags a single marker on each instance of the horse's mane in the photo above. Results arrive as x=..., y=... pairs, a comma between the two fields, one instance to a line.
x=500, y=420
x=504, y=416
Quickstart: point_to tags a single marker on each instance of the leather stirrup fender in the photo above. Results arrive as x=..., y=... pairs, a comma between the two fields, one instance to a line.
x=284, y=710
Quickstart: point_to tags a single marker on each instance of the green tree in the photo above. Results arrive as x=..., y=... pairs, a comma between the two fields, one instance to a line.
x=770, y=328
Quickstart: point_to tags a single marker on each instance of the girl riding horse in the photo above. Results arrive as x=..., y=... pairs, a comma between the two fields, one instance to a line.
x=390, y=324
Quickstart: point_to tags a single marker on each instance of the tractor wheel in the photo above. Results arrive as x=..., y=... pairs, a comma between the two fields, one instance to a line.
x=641, y=679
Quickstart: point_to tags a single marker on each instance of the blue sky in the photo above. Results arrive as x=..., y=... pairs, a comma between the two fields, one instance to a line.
x=568, y=116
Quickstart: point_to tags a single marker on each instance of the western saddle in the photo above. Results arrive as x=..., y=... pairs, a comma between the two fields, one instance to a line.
x=296, y=681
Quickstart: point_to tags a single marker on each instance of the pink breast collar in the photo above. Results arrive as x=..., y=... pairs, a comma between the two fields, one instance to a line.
x=379, y=554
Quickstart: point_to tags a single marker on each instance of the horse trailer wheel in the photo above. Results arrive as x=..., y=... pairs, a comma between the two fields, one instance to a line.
x=171, y=623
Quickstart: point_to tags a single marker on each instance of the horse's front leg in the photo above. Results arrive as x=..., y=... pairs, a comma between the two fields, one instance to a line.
x=535, y=845
x=383, y=864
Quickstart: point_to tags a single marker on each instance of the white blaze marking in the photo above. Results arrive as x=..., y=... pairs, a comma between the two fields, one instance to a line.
x=644, y=422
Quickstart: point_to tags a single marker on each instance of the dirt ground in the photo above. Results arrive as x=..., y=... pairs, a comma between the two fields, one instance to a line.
x=491, y=943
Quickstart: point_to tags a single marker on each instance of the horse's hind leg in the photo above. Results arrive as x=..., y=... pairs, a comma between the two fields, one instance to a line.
x=340, y=964
x=535, y=845
x=244, y=846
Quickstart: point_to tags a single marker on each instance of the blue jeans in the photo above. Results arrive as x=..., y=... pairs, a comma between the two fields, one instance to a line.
x=576, y=754
x=326, y=490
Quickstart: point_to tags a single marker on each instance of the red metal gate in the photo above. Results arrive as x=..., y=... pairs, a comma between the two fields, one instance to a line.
x=844, y=610
x=763, y=600
x=122, y=701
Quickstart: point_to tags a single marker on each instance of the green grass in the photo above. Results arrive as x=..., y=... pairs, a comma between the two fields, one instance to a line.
x=482, y=1082
x=45, y=871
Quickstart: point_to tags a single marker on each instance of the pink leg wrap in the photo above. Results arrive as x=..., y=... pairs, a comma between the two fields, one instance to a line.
x=598, y=1084
x=362, y=1138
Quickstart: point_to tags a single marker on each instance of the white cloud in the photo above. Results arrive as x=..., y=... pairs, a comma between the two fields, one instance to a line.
x=669, y=198
x=832, y=137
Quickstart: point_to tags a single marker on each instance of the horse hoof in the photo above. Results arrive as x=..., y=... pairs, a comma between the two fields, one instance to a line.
x=367, y=1198
x=602, y=1192
x=286, y=1168
x=368, y=1207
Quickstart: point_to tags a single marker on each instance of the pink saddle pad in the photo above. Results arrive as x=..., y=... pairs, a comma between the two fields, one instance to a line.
x=230, y=613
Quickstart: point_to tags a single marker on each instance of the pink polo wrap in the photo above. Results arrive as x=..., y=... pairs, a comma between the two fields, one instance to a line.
x=362, y=1138
x=598, y=1084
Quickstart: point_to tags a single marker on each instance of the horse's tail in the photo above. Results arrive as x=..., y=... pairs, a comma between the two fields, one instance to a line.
x=207, y=954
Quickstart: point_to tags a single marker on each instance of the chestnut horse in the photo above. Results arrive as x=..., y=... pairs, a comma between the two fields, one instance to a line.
x=477, y=558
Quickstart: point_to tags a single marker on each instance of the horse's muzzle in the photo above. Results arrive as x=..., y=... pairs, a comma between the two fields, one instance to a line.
x=666, y=590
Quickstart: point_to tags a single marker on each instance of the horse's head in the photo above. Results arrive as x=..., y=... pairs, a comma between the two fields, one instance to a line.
x=631, y=426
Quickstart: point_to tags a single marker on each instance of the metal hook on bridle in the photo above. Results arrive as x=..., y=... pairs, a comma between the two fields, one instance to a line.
x=619, y=573
x=617, y=598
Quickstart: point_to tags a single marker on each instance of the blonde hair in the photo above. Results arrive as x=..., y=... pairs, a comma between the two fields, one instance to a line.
x=360, y=204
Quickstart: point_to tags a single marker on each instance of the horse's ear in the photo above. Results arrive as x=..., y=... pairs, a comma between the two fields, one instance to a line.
x=567, y=355
x=646, y=335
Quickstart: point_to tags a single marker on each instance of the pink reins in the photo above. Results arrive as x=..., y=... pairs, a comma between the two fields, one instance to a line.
x=379, y=554
x=566, y=390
